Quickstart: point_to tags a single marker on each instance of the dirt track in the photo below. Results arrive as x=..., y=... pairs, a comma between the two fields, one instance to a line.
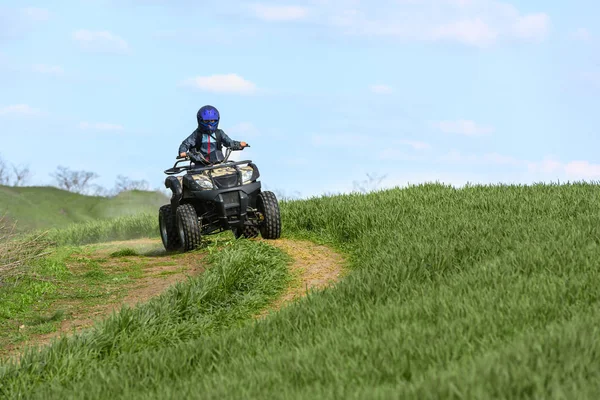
x=314, y=267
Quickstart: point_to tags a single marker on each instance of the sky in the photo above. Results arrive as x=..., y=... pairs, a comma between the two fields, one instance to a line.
x=324, y=91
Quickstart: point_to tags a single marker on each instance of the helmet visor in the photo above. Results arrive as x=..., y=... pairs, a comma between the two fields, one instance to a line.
x=210, y=123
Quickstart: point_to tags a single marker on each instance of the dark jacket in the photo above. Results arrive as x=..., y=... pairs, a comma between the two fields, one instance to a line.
x=201, y=140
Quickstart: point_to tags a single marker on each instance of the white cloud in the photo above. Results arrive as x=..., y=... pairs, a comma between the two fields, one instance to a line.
x=473, y=32
x=582, y=34
x=582, y=170
x=19, y=22
x=572, y=170
x=279, y=13
x=381, y=89
x=471, y=22
x=497, y=170
x=100, y=41
x=532, y=27
x=48, y=69
x=463, y=127
x=454, y=156
x=415, y=144
x=521, y=171
x=547, y=168
x=35, y=14
x=101, y=126
x=20, y=109
x=403, y=179
x=226, y=83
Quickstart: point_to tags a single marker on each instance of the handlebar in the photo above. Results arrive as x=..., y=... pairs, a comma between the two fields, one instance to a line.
x=196, y=157
x=199, y=156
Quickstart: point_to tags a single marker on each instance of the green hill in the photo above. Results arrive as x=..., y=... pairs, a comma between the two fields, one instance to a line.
x=50, y=207
x=478, y=293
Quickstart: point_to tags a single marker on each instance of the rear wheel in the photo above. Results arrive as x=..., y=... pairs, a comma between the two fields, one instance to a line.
x=268, y=206
x=188, y=227
x=168, y=228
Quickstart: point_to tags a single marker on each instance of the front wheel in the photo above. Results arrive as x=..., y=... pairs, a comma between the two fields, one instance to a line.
x=188, y=227
x=268, y=206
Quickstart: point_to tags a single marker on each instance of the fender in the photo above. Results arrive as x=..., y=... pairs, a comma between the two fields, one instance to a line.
x=173, y=183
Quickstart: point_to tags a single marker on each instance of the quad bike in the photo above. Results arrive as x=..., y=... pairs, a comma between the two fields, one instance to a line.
x=214, y=198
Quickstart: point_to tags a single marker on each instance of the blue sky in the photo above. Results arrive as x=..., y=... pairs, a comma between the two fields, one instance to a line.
x=325, y=91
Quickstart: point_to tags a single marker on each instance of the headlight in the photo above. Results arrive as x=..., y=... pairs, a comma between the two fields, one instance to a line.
x=247, y=175
x=204, y=182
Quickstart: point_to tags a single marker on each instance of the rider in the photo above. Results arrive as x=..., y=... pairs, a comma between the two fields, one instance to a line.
x=207, y=139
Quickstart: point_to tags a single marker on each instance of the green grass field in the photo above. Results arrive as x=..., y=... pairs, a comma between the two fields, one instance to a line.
x=50, y=207
x=482, y=292
x=120, y=228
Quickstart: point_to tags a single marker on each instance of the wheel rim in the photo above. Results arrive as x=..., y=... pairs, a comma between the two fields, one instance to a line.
x=263, y=222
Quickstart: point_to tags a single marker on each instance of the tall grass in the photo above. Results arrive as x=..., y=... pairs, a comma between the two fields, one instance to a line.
x=16, y=251
x=243, y=278
x=121, y=228
x=480, y=292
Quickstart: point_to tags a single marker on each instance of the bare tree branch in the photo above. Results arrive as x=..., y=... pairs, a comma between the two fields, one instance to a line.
x=372, y=183
x=73, y=181
x=98, y=190
x=21, y=175
x=125, y=184
x=4, y=173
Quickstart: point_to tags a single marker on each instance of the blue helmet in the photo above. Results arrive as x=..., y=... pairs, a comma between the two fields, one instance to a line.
x=208, y=118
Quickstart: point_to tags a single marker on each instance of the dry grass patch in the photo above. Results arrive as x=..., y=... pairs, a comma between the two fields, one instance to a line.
x=17, y=250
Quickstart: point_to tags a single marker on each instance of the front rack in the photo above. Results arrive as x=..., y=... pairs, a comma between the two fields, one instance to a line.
x=176, y=170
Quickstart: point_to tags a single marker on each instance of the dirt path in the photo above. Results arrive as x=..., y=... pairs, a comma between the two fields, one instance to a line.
x=124, y=280
x=314, y=267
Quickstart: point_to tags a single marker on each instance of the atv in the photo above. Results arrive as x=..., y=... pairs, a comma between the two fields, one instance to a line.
x=215, y=197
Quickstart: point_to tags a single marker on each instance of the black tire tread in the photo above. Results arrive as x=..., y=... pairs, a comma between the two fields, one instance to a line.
x=173, y=242
x=251, y=231
x=269, y=206
x=187, y=217
x=248, y=232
